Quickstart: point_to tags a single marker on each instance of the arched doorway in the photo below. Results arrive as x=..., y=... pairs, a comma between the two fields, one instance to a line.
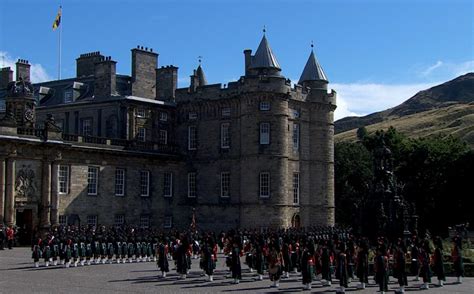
x=295, y=221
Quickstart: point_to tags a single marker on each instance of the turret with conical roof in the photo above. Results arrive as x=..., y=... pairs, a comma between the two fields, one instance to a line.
x=201, y=77
x=264, y=62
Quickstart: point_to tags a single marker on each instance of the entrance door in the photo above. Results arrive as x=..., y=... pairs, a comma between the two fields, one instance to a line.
x=24, y=222
x=295, y=221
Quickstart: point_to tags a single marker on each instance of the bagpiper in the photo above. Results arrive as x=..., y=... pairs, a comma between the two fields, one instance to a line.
x=438, y=261
x=456, y=255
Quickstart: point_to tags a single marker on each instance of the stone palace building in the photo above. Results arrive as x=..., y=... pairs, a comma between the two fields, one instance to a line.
x=104, y=148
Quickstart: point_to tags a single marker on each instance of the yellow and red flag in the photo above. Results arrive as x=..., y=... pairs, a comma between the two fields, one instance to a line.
x=57, y=21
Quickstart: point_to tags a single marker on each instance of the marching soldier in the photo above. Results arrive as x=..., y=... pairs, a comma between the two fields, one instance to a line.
x=341, y=271
x=425, y=270
x=275, y=264
x=456, y=255
x=163, y=257
x=307, y=264
x=37, y=252
x=209, y=257
x=235, y=260
x=363, y=264
x=399, y=266
x=381, y=269
x=326, y=274
x=438, y=261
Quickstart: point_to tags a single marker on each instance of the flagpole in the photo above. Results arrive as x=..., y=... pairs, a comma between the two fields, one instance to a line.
x=59, y=44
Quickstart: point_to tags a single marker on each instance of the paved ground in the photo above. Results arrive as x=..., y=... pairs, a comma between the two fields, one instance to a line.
x=18, y=276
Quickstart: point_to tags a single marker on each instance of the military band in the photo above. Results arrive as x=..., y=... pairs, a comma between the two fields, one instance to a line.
x=320, y=254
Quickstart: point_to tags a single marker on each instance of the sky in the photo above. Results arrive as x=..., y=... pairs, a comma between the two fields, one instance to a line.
x=376, y=53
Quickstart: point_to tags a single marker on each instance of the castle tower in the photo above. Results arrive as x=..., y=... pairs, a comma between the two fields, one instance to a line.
x=264, y=61
x=319, y=207
x=19, y=102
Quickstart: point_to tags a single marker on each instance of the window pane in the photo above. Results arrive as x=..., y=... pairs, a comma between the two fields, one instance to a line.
x=168, y=222
x=92, y=179
x=296, y=136
x=264, y=133
x=63, y=179
x=141, y=134
x=265, y=105
x=163, y=139
x=119, y=182
x=265, y=184
x=191, y=185
x=296, y=188
x=144, y=183
x=192, y=138
x=225, y=135
x=87, y=127
x=168, y=185
x=225, y=184
x=144, y=221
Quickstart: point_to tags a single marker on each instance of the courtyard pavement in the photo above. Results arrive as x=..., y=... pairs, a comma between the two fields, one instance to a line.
x=18, y=276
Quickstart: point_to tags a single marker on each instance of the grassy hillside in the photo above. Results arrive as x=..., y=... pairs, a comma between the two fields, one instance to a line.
x=457, y=120
x=457, y=91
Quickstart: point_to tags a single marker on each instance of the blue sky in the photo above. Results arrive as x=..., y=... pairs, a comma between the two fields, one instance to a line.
x=376, y=53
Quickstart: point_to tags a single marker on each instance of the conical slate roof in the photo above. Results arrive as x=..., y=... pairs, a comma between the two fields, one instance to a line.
x=264, y=57
x=312, y=70
x=201, y=76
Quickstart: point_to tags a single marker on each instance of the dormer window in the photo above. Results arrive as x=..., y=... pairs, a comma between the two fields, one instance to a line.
x=141, y=112
x=163, y=116
x=67, y=96
x=192, y=116
x=264, y=106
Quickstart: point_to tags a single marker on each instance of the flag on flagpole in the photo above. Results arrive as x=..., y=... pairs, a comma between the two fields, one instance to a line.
x=57, y=21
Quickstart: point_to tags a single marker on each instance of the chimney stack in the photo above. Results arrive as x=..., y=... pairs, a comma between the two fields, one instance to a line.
x=6, y=76
x=166, y=83
x=144, y=63
x=86, y=62
x=248, y=60
x=23, y=70
x=105, y=77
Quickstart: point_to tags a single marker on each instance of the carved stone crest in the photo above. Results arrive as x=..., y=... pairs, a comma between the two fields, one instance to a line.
x=25, y=182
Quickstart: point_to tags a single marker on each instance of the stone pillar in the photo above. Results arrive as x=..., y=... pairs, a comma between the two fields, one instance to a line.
x=54, y=193
x=9, y=192
x=45, y=195
x=2, y=189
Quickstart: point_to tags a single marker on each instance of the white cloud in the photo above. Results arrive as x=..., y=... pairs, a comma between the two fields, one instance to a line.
x=446, y=70
x=37, y=72
x=430, y=69
x=362, y=99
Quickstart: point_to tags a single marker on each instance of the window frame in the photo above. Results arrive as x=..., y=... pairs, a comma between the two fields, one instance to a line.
x=118, y=216
x=192, y=185
x=94, y=217
x=163, y=116
x=225, y=135
x=170, y=195
x=89, y=133
x=296, y=136
x=225, y=181
x=147, y=184
x=141, y=136
x=163, y=140
x=124, y=178
x=168, y=219
x=226, y=112
x=68, y=96
x=141, y=113
x=192, y=138
x=67, y=179
x=95, y=183
x=142, y=218
x=264, y=129
x=263, y=187
x=64, y=217
x=296, y=188
x=265, y=106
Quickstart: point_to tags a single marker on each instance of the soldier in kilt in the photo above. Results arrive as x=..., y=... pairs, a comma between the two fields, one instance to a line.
x=438, y=261
x=124, y=250
x=341, y=268
x=55, y=250
x=236, y=267
x=209, y=257
x=425, y=271
x=103, y=250
x=163, y=257
x=75, y=253
x=68, y=252
x=286, y=252
x=182, y=258
x=326, y=274
x=47, y=254
x=381, y=269
x=400, y=266
x=36, y=252
x=82, y=251
x=96, y=250
x=415, y=264
x=130, y=251
x=456, y=255
x=275, y=264
x=259, y=258
x=363, y=264
x=307, y=264
x=110, y=250
x=89, y=252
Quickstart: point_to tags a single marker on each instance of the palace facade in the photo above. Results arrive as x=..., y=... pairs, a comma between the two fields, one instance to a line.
x=112, y=149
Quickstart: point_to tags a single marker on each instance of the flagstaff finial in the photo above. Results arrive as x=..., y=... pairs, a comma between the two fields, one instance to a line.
x=199, y=59
x=264, y=29
x=312, y=45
